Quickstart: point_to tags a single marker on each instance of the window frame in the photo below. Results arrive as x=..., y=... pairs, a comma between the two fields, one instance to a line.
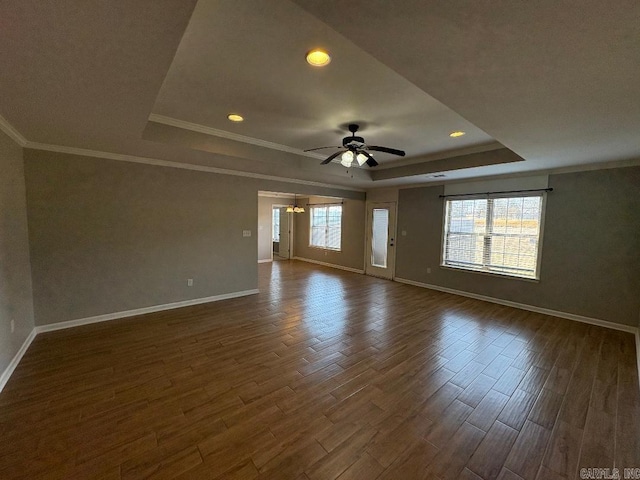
x=486, y=271
x=325, y=206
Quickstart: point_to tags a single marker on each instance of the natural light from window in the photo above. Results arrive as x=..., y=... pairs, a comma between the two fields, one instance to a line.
x=326, y=227
x=493, y=235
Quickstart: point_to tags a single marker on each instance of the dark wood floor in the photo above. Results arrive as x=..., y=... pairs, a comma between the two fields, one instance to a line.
x=324, y=374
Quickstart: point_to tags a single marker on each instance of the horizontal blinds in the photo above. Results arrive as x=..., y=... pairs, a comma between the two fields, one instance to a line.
x=326, y=227
x=494, y=234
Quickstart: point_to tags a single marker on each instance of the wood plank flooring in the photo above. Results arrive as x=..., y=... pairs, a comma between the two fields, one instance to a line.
x=324, y=375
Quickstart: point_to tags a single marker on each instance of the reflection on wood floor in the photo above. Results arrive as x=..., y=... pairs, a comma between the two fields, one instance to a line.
x=325, y=374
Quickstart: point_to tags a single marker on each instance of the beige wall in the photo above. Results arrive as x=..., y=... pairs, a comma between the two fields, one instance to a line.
x=108, y=236
x=353, y=225
x=382, y=195
x=590, y=250
x=15, y=271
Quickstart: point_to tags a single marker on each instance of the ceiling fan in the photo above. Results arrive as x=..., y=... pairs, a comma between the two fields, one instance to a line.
x=355, y=149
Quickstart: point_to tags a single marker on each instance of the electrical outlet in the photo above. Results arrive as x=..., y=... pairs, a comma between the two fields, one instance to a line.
x=404, y=233
x=428, y=269
x=13, y=325
x=189, y=282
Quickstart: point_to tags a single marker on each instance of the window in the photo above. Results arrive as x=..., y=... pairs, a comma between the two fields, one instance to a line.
x=495, y=235
x=276, y=224
x=326, y=227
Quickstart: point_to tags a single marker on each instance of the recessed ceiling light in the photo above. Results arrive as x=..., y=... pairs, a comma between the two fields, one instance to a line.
x=457, y=133
x=318, y=57
x=234, y=117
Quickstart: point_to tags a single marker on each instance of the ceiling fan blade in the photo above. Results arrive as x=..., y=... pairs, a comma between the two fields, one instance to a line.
x=370, y=160
x=318, y=148
x=330, y=157
x=392, y=151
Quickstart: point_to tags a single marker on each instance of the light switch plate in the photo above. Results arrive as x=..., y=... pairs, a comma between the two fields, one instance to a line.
x=246, y=233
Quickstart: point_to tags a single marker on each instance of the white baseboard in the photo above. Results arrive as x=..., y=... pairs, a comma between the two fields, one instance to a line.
x=332, y=265
x=638, y=352
x=140, y=311
x=4, y=378
x=267, y=260
x=532, y=308
x=523, y=306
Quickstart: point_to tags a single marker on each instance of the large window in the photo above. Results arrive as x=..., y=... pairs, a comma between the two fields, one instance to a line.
x=496, y=235
x=326, y=227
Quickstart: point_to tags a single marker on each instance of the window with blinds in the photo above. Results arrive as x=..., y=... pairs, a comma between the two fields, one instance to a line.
x=494, y=235
x=326, y=227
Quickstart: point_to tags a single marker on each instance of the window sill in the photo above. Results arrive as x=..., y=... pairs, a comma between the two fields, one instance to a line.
x=490, y=274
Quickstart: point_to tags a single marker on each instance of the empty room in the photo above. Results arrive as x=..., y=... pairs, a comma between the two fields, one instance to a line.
x=291, y=239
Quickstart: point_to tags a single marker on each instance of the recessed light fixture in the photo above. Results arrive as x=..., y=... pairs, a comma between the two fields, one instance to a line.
x=234, y=117
x=318, y=57
x=457, y=133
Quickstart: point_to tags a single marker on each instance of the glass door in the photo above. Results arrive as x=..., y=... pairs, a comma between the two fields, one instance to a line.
x=381, y=239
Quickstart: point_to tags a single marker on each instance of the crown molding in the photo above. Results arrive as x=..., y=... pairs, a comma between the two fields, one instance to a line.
x=196, y=127
x=15, y=135
x=486, y=147
x=528, y=173
x=184, y=166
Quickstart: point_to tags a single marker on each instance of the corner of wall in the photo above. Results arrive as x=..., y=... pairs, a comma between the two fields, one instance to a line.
x=17, y=311
x=6, y=374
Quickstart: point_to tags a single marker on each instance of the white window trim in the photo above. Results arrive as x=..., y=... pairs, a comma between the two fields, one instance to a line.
x=325, y=205
x=543, y=204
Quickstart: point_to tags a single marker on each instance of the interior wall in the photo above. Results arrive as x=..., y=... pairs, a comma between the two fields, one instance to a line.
x=352, y=243
x=109, y=236
x=16, y=302
x=590, y=247
x=383, y=195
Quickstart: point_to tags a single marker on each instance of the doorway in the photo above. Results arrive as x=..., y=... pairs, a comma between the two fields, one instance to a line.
x=281, y=233
x=381, y=235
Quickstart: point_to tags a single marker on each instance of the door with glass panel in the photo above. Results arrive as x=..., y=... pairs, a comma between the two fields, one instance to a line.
x=381, y=231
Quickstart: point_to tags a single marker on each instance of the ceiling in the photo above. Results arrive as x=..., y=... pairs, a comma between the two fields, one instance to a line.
x=536, y=86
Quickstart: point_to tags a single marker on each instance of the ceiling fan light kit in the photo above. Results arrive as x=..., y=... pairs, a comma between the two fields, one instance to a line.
x=347, y=158
x=356, y=149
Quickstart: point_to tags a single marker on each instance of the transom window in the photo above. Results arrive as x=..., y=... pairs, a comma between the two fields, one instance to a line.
x=326, y=227
x=495, y=235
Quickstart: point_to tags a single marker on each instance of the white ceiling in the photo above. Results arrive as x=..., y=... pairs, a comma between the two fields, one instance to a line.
x=554, y=82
